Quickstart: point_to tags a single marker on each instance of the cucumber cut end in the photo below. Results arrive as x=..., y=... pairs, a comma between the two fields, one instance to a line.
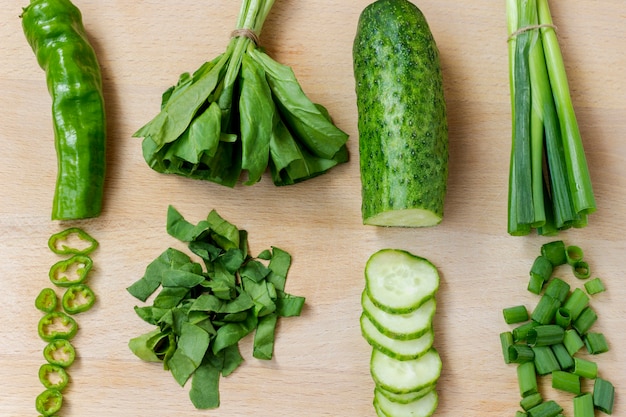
x=412, y=217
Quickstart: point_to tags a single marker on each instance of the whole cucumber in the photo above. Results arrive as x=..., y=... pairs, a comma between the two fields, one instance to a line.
x=402, y=123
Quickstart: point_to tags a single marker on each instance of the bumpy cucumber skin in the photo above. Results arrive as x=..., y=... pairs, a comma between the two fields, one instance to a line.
x=402, y=123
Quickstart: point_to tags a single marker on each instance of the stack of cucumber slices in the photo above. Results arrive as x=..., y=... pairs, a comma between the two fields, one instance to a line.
x=397, y=321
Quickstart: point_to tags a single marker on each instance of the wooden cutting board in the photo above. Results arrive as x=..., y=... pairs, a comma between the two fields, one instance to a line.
x=321, y=362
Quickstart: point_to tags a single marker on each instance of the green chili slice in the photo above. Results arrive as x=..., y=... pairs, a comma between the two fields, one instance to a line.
x=47, y=300
x=72, y=241
x=60, y=352
x=78, y=298
x=70, y=271
x=53, y=376
x=57, y=325
x=49, y=402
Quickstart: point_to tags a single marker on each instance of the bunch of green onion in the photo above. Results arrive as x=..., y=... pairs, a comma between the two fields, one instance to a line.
x=549, y=183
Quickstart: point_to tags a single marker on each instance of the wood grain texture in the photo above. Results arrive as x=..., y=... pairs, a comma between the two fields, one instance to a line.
x=321, y=361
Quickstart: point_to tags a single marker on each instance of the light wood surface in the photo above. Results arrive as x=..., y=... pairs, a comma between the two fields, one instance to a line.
x=321, y=362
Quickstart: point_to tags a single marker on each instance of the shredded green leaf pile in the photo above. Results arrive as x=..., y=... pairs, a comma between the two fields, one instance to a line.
x=242, y=111
x=549, y=181
x=203, y=309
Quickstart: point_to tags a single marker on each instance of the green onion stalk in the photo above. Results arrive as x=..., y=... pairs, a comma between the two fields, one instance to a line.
x=242, y=112
x=549, y=182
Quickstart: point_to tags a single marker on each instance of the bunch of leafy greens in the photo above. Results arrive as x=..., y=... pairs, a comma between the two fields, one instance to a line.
x=202, y=312
x=242, y=111
x=549, y=182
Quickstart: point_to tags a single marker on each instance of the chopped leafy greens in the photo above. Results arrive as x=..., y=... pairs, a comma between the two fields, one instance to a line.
x=242, y=111
x=202, y=310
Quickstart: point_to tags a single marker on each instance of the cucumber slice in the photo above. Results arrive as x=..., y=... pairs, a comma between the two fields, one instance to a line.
x=379, y=412
x=401, y=377
x=400, y=326
x=422, y=407
x=397, y=349
x=406, y=397
x=399, y=282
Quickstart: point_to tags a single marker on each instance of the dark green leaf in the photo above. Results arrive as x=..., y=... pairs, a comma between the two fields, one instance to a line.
x=255, y=125
x=232, y=359
x=232, y=333
x=264, y=337
x=143, y=346
x=288, y=305
x=170, y=297
x=180, y=228
x=255, y=271
x=224, y=233
x=263, y=303
x=170, y=259
x=204, y=392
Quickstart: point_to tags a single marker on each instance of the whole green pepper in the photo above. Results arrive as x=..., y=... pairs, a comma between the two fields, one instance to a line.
x=55, y=31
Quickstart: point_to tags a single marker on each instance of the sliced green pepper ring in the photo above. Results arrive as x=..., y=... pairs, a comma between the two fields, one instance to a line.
x=73, y=241
x=47, y=300
x=57, y=325
x=53, y=376
x=49, y=402
x=78, y=298
x=70, y=271
x=60, y=352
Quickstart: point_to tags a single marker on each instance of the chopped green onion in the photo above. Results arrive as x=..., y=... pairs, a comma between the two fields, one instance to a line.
x=527, y=379
x=585, y=320
x=506, y=340
x=573, y=254
x=566, y=381
x=542, y=268
x=585, y=368
x=596, y=343
x=603, y=395
x=531, y=401
x=521, y=332
x=576, y=303
x=557, y=288
x=594, y=286
x=535, y=284
x=545, y=360
x=545, y=310
x=563, y=318
x=546, y=409
x=555, y=252
x=581, y=270
x=518, y=353
x=583, y=405
x=516, y=314
x=566, y=362
x=572, y=341
x=545, y=335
